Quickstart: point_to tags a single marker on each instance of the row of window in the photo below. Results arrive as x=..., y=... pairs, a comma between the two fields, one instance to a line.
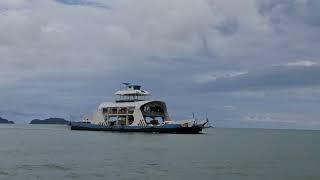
x=122, y=110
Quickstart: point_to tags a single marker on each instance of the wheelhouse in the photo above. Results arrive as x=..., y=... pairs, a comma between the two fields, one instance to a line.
x=132, y=93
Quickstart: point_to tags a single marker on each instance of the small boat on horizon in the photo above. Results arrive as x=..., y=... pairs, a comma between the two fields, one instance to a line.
x=133, y=111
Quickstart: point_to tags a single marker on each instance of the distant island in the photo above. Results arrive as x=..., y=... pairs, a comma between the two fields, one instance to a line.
x=5, y=121
x=50, y=121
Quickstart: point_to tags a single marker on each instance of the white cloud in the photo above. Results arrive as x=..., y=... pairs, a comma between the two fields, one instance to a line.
x=13, y=3
x=303, y=93
x=224, y=108
x=209, y=77
x=302, y=63
x=249, y=94
x=292, y=120
x=43, y=35
x=270, y=118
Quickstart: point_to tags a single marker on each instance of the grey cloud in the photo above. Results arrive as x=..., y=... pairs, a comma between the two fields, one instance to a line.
x=282, y=120
x=277, y=77
x=284, y=12
x=84, y=3
x=228, y=27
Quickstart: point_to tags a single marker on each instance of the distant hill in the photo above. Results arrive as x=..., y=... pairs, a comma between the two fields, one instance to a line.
x=5, y=121
x=50, y=121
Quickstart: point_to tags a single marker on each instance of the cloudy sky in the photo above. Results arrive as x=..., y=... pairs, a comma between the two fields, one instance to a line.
x=254, y=63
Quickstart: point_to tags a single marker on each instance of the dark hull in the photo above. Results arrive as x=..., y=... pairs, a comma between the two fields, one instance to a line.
x=162, y=129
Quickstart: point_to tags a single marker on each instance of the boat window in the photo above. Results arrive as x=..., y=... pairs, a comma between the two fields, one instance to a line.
x=122, y=120
x=113, y=110
x=112, y=123
x=153, y=120
x=152, y=110
x=112, y=120
x=130, y=110
x=136, y=87
x=123, y=110
x=130, y=119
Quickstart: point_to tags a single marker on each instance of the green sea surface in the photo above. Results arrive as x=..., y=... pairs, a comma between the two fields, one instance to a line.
x=55, y=152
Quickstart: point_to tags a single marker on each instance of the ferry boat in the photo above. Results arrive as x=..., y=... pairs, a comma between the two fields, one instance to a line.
x=133, y=111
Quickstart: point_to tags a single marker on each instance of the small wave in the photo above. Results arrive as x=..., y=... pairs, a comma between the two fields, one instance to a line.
x=234, y=173
x=98, y=175
x=239, y=173
x=46, y=166
x=72, y=175
x=56, y=167
x=153, y=164
x=221, y=167
x=4, y=173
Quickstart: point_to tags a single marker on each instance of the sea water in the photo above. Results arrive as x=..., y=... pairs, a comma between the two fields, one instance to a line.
x=55, y=152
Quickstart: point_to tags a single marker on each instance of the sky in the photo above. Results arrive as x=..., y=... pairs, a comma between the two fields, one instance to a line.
x=251, y=64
